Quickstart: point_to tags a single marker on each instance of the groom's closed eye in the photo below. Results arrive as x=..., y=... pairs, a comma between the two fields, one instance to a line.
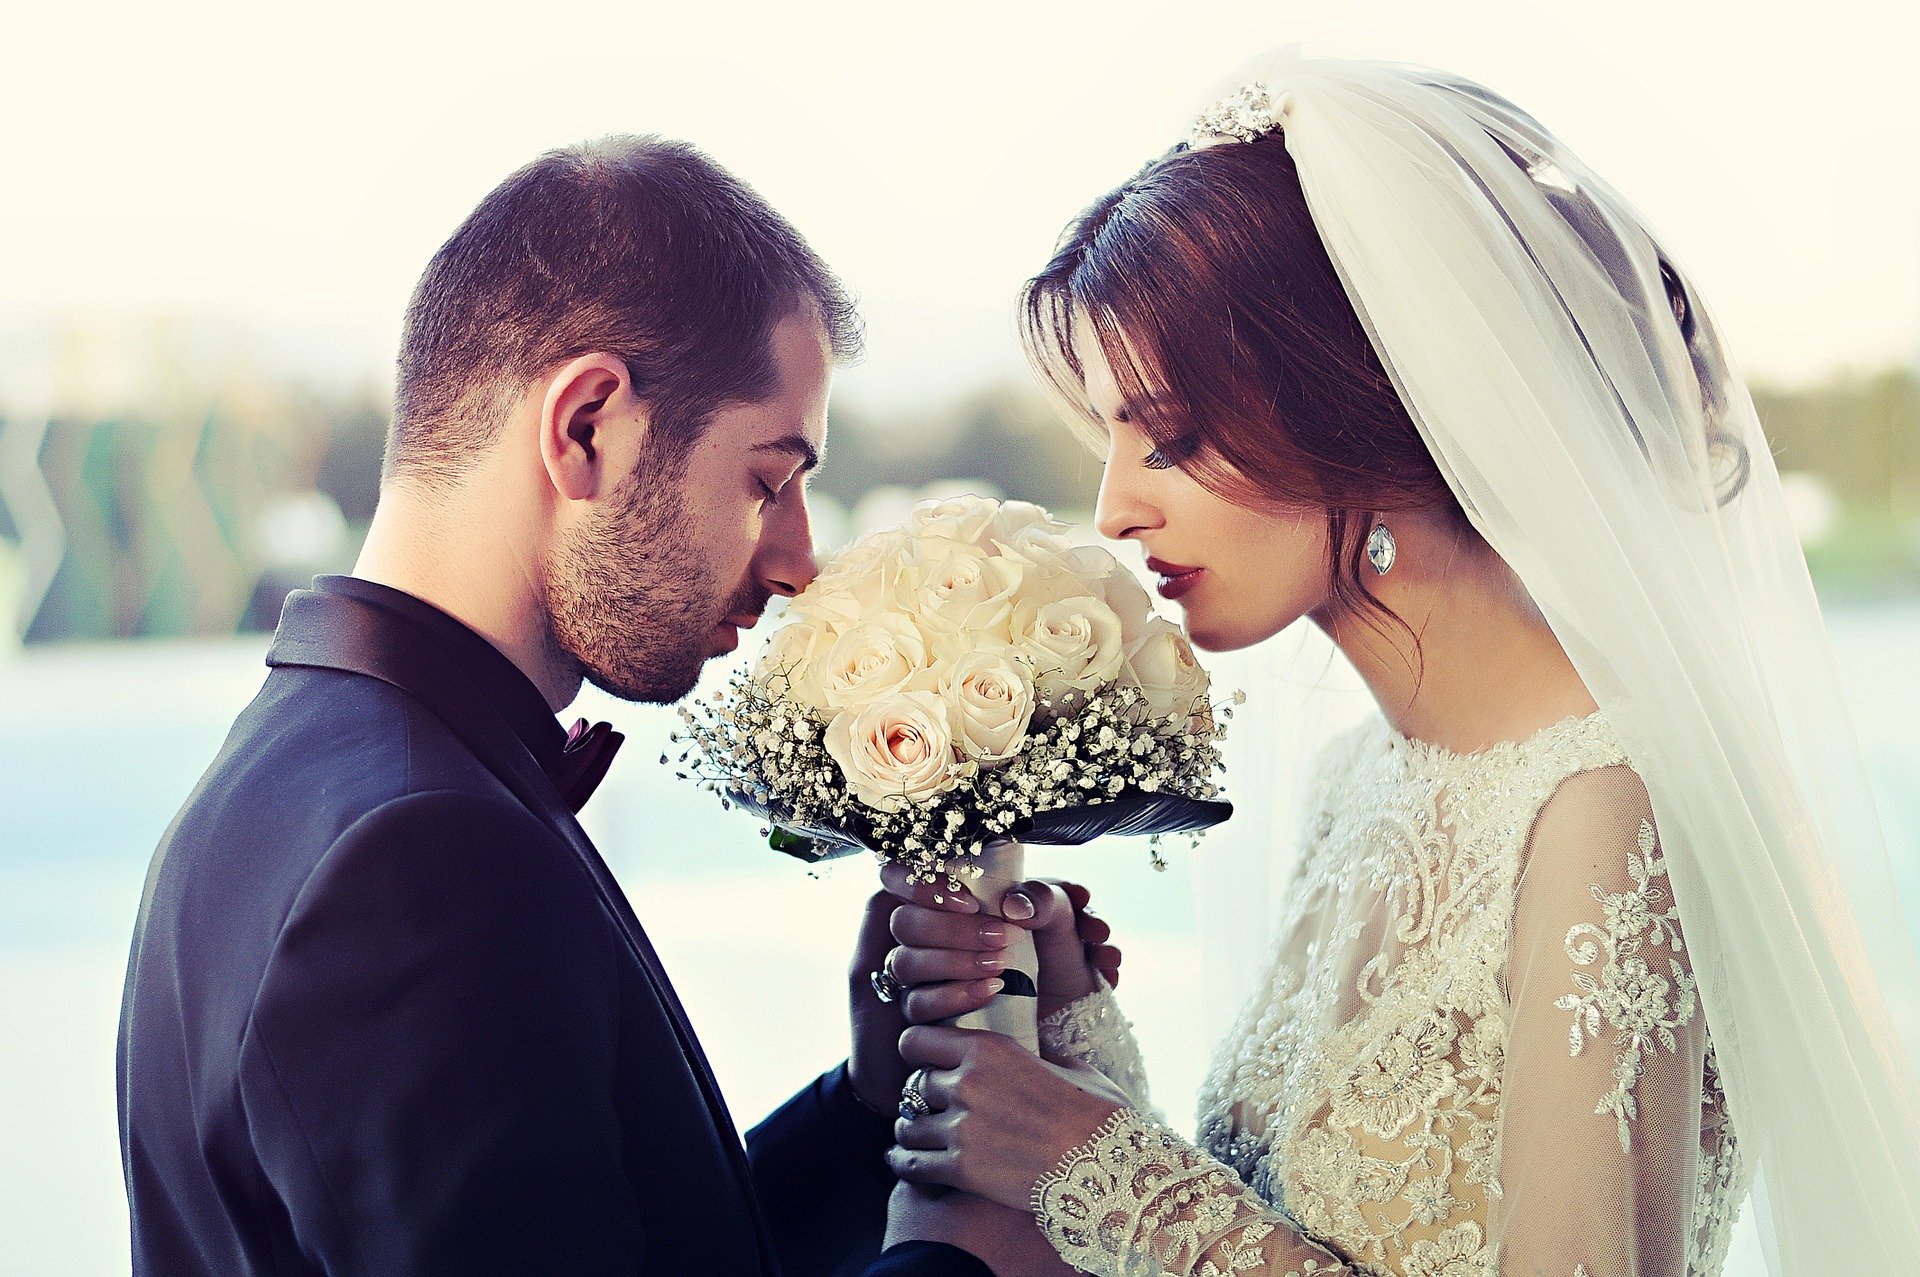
x=796, y=446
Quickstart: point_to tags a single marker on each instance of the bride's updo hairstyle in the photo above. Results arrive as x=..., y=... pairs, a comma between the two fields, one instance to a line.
x=1230, y=337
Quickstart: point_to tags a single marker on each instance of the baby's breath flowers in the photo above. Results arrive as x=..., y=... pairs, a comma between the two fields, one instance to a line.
x=968, y=678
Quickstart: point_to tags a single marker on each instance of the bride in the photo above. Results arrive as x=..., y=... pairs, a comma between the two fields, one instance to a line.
x=1589, y=932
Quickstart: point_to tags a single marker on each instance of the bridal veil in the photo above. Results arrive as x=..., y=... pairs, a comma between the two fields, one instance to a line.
x=1572, y=388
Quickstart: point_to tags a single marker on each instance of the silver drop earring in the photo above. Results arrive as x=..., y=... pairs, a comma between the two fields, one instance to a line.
x=1380, y=548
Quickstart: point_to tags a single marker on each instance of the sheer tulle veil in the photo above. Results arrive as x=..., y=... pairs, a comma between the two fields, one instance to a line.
x=1609, y=452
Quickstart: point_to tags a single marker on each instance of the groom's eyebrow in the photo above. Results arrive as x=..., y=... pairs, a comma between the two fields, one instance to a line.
x=795, y=444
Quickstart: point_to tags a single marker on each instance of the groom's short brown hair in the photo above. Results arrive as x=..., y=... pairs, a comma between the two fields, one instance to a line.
x=638, y=246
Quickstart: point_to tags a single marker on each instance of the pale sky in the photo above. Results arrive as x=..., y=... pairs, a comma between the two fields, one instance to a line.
x=293, y=167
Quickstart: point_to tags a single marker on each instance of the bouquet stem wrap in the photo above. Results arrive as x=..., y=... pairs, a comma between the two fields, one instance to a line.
x=1013, y=1011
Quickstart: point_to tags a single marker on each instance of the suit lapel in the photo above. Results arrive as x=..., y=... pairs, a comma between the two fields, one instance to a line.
x=335, y=631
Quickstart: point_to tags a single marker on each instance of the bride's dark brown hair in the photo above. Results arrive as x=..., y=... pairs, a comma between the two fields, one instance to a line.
x=1233, y=343
x=1231, y=340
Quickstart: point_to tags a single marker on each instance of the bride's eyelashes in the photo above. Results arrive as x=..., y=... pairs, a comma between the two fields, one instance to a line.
x=1170, y=454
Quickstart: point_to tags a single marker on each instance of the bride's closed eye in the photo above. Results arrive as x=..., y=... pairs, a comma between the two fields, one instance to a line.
x=1170, y=454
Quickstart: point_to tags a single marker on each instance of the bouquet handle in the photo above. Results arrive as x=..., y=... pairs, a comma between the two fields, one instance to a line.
x=1014, y=1011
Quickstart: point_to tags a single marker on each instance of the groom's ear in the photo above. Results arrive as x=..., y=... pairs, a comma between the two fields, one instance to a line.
x=582, y=416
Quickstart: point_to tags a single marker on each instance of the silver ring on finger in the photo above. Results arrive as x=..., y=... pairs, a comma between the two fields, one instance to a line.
x=913, y=1100
x=885, y=987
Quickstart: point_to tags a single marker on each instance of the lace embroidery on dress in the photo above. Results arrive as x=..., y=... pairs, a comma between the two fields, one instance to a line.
x=1136, y=1200
x=1355, y=1109
x=1642, y=1006
x=1092, y=1031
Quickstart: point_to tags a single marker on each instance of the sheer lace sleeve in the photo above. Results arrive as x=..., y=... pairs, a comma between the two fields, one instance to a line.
x=1137, y=1200
x=1601, y=1119
x=1092, y=1031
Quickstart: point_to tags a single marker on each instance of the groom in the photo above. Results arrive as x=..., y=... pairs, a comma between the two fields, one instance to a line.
x=387, y=1011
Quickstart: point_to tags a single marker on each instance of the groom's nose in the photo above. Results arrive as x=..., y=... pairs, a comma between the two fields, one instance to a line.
x=786, y=564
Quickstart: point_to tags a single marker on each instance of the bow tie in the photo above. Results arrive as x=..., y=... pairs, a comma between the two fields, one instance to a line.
x=584, y=761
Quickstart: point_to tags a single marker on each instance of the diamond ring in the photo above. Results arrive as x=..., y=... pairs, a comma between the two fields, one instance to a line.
x=885, y=987
x=913, y=1102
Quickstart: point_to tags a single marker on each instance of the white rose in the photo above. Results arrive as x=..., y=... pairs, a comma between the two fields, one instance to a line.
x=966, y=520
x=1014, y=518
x=1162, y=665
x=896, y=751
x=872, y=660
x=1038, y=547
x=1074, y=645
x=857, y=582
x=791, y=662
x=1052, y=568
x=964, y=591
x=990, y=703
x=1122, y=591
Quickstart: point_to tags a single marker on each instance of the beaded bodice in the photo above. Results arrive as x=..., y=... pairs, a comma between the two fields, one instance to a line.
x=1479, y=1003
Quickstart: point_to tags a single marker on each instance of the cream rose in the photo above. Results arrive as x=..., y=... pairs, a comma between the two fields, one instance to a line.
x=791, y=662
x=989, y=697
x=895, y=752
x=1037, y=545
x=966, y=520
x=872, y=660
x=1013, y=518
x=1122, y=591
x=1074, y=644
x=858, y=582
x=1162, y=663
x=965, y=592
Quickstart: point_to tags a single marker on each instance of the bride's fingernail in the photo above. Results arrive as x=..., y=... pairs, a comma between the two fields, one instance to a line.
x=995, y=936
x=1017, y=906
x=993, y=961
x=990, y=987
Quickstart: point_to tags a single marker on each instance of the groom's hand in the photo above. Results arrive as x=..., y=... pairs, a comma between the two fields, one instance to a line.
x=874, y=1066
x=1006, y=1240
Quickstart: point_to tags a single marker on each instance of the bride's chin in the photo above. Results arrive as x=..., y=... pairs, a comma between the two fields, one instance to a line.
x=1209, y=637
x=1212, y=633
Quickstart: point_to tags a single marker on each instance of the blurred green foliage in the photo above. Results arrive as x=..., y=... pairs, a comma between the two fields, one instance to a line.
x=1858, y=433
x=197, y=522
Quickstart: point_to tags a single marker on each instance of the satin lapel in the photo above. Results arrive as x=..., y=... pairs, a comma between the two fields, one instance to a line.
x=332, y=631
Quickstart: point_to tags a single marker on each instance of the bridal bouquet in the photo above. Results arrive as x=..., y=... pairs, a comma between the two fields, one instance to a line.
x=949, y=690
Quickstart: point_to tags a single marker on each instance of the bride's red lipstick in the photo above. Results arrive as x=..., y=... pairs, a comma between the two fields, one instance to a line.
x=1174, y=579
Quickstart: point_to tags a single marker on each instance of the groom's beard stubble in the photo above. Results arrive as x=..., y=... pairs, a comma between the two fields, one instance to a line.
x=629, y=598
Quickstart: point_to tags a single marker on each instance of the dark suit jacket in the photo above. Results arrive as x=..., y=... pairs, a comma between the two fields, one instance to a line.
x=388, y=1012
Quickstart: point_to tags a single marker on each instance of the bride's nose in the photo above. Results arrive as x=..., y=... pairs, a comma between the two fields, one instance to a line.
x=1123, y=509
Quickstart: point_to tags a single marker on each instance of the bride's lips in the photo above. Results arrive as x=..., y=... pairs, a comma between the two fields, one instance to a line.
x=1174, y=579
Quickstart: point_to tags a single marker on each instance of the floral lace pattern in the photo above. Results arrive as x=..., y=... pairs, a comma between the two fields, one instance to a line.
x=1092, y=1031
x=1355, y=1110
x=1136, y=1200
x=1642, y=1005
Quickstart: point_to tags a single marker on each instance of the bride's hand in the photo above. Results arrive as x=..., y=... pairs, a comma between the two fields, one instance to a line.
x=950, y=951
x=1001, y=1118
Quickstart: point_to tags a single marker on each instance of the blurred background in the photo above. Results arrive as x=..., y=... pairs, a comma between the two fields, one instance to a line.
x=210, y=219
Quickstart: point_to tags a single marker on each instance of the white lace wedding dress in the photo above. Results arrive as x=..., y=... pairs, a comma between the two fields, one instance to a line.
x=1479, y=1049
